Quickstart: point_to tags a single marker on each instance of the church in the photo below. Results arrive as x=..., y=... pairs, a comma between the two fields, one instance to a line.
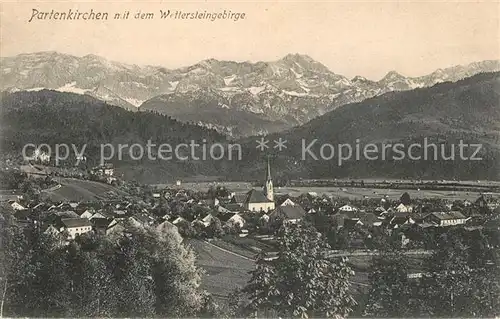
x=256, y=200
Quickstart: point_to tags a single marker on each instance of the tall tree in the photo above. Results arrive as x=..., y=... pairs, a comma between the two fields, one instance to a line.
x=392, y=293
x=262, y=289
x=463, y=279
x=302, y=281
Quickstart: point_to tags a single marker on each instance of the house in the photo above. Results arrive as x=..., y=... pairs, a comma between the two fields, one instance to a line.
x=222, y=210
x=264, y=219
x=16, y=206
x=115, y=229
x=347, y=208
x=141, y=220
x=351, y=222
x=167, y=227
x=207, y=220
x=370, y=220
x=446, y=218
x=76, y=226
x=236, y=220
x=8, y=195
x=51, y=230
x=104, y=170
x=100, y=214
x=311, y=211
x=402, y=208
x=238, y=199
x=380, y=210
x=119, y=214
x=179, y=221
x=288, y=213
x=101, y=225
x=288, y=202
x=257, y=201
x=401, y=218
x=87, y=214
x=67, y=214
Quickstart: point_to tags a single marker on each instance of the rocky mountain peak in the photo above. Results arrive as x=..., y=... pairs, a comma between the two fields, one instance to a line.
x=291, y=90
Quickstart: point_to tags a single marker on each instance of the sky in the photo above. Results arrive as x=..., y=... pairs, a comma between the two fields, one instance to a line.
x=350, y=38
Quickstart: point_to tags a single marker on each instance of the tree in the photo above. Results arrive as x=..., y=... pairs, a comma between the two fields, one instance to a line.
x=215, y=228
x=141, y=273
x=391, y=294
x=463, y=280
x=405, y=199
x=261, y=289
x=302, y=281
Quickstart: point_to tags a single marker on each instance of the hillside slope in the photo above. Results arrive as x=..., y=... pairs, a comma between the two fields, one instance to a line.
x=468, y=110
x=55, y=118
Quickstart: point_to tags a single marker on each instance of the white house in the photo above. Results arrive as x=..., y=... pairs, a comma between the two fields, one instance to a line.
x=87, y=214
x=288, y=202
x=401, y=208
x=256, y=201
x=347, y=208
x=446, y=218
x=17, y=206
x=76, y=226
x=207, y=220
x=236, y=220
x=288, y=213
x=179, y=220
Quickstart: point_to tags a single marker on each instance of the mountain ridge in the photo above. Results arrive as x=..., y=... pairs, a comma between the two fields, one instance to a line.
x=265, y=96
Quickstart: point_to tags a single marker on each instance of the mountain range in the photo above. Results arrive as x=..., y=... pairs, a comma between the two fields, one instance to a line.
x=445, y=114
x=235, y=98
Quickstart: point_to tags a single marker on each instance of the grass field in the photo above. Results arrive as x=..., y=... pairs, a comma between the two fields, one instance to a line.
x=224, y=271
x=227, y=266
x=83, y=190
x=348, y=192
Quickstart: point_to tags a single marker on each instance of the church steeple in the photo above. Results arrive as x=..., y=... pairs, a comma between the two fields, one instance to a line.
x=268, y=186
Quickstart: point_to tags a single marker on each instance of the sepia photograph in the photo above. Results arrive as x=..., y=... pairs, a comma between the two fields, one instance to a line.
x=250, y=159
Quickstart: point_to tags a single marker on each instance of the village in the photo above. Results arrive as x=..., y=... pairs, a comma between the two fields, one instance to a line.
x=256, y=214
x=230, y=231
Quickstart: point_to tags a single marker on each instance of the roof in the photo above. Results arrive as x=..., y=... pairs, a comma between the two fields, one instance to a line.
x=166, y=226
x=400, y=218
x=143, y=218
x=233, y=207
x=289, y=212
x=237, y=217
x=208, y=219
x=287, y=201
x=101, y=222
x=368, y=219
x=179, y=220
x=448, y=215
x=239, y=198
x=75, y=222
x=22, y=214
x=254, y=196
x=347, y=208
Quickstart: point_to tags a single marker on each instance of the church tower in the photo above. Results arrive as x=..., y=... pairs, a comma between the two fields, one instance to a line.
x=268, y=186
